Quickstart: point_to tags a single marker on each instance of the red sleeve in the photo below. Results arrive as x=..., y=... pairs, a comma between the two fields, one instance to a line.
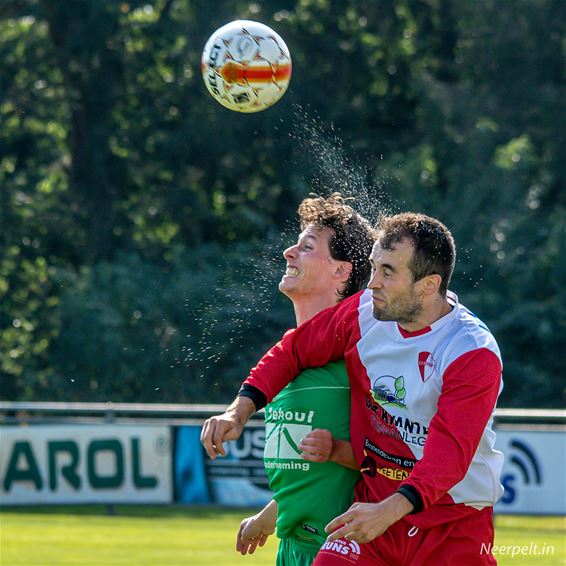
x=470, y=389
x=317, y=342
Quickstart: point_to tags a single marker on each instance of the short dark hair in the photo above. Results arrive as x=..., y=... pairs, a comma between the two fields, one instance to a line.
x=434, y=249
x=351, y=241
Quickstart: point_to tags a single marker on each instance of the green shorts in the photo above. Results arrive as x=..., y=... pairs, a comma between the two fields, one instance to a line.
x=294, y=553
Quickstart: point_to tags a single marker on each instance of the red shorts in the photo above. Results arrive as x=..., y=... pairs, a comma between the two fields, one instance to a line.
x=465, y=542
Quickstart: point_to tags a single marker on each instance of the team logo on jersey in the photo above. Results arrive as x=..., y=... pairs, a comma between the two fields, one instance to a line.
x=350, y=550
x=388, y=390
x=282, y=440
x=426, y=365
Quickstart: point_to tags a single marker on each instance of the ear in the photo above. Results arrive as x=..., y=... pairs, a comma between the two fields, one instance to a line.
x=342, y=270
x=430, y=284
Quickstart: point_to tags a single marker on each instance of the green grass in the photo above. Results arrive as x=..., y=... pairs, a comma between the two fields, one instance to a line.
x=520, y=531
x=174, y=535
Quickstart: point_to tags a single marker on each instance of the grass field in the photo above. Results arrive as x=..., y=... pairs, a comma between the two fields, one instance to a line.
x=175, y=536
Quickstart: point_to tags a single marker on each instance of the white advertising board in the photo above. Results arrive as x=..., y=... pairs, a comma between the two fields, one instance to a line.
x=534, y=472
x=85, y=464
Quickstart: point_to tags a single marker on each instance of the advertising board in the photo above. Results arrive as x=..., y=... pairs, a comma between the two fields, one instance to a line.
x=533, y=473
x=85, y=464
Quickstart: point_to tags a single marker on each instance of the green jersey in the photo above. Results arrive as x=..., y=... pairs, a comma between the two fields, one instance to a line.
x=308, y=494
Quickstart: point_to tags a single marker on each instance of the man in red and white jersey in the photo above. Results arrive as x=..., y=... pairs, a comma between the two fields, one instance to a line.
x=425, y=375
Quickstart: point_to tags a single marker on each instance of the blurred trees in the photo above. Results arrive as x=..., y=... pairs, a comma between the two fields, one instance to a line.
x=141, y=222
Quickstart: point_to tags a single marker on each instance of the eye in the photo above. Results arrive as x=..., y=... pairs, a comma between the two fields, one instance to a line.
x=307, y=247
x=387, y=273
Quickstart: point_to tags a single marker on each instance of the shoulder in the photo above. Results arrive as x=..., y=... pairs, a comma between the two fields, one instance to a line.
x=343, y=315
x=348, y=308
x=475, y=331
x=469, y=333
x=351, y=304
x=351, y=310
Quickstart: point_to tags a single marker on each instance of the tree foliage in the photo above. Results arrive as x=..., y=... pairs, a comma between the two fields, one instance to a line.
x=142, y=223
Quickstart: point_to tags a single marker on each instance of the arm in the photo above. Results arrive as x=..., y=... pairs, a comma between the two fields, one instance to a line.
x=227, y=426
x=317, y=342
x=255, y=530
x=470, y=389
x=343, y=454
x=320, y=446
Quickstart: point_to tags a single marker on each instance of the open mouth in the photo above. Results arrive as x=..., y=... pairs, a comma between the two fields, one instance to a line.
x=291, y=272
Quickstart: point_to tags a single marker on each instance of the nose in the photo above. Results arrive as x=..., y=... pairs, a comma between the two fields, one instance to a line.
x=376, y=280
x=290, y=252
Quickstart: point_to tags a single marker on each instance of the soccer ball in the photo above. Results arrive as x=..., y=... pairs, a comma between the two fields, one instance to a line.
x=246, y=66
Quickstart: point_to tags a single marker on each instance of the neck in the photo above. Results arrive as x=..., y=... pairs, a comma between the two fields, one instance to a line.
x=307, y=307
x=439, y=308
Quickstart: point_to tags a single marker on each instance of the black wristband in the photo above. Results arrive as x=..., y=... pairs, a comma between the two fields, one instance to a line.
x=413, y=496
x=258, y=397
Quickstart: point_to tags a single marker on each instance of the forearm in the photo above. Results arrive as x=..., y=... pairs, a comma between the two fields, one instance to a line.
x=268, y=515
x=241, y=409
x=396, y=506
x=343, y=454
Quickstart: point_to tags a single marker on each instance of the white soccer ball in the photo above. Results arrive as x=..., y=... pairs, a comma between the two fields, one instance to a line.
x=246, y=66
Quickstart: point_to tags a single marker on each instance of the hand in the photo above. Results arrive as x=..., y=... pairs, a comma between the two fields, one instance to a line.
x=227, y=426
x=365, y=521
x=317, y=445
x=217, y=430
x=253, y=532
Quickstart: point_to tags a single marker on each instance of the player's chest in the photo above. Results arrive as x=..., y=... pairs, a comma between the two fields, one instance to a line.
x=400, y=377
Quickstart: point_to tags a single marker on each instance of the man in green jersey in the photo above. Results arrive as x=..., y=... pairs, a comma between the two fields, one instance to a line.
x=308, y=457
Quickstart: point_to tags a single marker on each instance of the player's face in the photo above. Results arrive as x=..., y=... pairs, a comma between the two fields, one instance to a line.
x=309, y=265
x=393, y=290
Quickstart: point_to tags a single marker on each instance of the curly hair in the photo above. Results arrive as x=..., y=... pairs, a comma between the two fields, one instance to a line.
x=352, y=238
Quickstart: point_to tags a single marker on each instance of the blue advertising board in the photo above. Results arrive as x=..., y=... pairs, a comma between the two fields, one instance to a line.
x=238, y=479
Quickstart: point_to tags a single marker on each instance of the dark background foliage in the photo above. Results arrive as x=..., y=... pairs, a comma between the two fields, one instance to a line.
x=142, y=224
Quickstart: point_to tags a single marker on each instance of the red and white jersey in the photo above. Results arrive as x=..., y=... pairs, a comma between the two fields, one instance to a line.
x=422, y=402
